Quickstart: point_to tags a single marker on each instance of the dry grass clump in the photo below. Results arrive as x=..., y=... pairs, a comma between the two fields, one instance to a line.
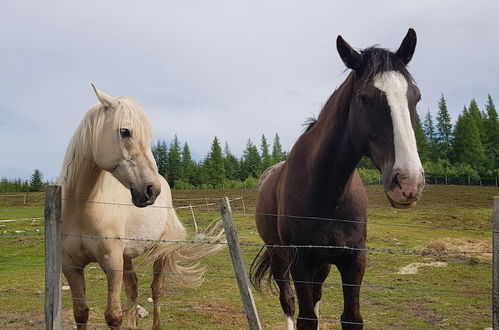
x=472, y=249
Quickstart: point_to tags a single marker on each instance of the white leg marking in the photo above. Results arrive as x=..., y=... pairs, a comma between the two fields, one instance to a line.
x=289, y=323
x=316, y=311
x=394, y=85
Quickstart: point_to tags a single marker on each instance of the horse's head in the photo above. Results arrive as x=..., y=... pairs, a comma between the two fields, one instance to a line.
x=382, y=116
x=122, y=140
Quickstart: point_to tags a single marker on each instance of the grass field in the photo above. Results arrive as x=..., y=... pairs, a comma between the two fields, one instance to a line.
x=448, y=291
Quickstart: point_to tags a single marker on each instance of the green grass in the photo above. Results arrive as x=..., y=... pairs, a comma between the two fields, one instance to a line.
x=456, y=296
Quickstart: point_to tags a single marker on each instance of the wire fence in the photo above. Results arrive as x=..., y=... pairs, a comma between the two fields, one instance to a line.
x=212, y=202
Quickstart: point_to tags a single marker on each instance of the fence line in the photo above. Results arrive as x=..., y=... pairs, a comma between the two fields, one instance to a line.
x=292, y=246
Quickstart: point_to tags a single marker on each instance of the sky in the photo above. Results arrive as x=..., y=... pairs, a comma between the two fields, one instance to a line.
x=225, y=68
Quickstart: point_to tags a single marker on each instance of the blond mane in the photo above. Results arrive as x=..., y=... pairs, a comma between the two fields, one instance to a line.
x=81, y=149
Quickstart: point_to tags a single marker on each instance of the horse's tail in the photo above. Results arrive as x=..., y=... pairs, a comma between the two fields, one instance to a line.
x=260, y=269
x=180, y=258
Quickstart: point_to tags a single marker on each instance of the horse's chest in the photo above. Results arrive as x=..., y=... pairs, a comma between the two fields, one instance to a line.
x=143, y=231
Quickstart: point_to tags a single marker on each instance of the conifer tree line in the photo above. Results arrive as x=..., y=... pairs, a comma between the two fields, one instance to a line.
x=220, y=168
x=464, y=153
x=35, y=183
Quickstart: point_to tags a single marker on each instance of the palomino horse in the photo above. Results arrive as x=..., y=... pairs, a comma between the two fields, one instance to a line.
x=371, y=114
x=109, y=158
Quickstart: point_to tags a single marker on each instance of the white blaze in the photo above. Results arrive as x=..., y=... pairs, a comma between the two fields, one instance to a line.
x=394, y=85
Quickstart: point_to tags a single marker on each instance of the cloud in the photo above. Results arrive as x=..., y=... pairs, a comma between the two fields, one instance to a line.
x=232, y=69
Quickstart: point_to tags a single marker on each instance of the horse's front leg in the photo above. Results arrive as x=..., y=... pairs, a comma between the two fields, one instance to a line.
x=112, y=264
x=352, y=272
x=131, y=281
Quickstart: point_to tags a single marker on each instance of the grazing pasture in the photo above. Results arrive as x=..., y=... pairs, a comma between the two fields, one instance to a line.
x=401, y=288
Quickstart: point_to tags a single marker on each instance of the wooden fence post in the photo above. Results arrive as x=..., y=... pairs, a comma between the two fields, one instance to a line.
x=194, y=219
x=238, y=263
x=495, y=264
x=53, y=299
x=244, y=207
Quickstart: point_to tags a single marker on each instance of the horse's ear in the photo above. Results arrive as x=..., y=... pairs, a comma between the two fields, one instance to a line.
x=349, y=56
x=105, y=99
x=406, y=49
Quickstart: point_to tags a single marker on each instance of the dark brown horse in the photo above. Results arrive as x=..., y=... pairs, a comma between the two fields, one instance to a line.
x=371, y=114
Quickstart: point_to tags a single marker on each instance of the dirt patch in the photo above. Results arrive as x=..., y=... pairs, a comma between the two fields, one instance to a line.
x=22, y=321
x=415, y=267
x=222, y=313
x=477, y=247
x=419, y=307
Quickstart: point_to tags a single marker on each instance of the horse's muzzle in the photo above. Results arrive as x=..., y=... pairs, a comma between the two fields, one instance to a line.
x=145, y=196
x=403, y=191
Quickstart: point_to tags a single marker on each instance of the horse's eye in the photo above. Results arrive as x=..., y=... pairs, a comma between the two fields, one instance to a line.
x=364, y=99
x=125, y=133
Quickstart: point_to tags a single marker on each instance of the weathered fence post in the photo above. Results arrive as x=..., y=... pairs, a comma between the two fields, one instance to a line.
x=194, y=219
x=244, y=207
x=53, y=300
x=238, y=263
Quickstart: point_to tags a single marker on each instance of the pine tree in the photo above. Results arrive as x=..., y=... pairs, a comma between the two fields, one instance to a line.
x=174, y=168
x=231, y=164
x=36, y=181
x=421, y=141
x=277, y=152
x=251, y=162
x=266, y=157
x=188, y=165
x=467, y=146
x=160, y=153
x=214, y=165
x=444, y=129
x=430, y=134
x=491, y=134
x=477, y=118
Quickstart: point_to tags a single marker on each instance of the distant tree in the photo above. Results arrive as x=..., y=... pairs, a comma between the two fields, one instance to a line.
x=491, y=134
x=160, y=153
x=277, y=153
x=174, y=168
x=421, y=141
x=431, y=137
x=266, y=157
x=187, y=164
x=477, y=118
x=231, y=164
x=444, y=129
x=214, y=165
x=251, y=162
x=467, y=146
x=36, y=181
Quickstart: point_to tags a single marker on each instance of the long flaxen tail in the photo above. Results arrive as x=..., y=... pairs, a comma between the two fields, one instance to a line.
x=181, y=257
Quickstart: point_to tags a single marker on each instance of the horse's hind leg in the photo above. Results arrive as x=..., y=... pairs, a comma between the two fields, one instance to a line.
x=157, y=292
x=303, y=278
x=280, y=263
x=130, y=280
x=76, y=279
x=352, y=272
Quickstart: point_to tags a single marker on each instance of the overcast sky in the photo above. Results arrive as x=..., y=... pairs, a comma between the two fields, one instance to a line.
x=234, y=69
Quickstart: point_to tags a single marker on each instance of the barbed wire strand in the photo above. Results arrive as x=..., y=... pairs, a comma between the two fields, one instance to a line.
x=292, y=246
x=328, y=285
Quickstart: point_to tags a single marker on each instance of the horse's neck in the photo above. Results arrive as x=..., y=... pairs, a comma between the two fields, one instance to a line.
x=330, y=157
x=85, y=183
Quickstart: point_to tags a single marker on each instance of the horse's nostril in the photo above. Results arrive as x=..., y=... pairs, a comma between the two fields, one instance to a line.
x=149, y=191
x=395, y=182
